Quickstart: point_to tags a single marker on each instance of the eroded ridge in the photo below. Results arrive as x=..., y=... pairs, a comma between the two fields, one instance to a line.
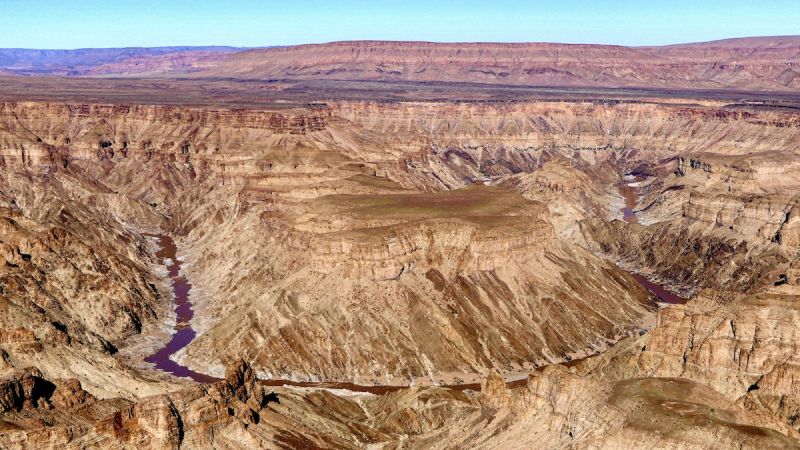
x=392, y=266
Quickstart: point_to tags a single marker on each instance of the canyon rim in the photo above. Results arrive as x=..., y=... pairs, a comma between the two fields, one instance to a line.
x=392, y=244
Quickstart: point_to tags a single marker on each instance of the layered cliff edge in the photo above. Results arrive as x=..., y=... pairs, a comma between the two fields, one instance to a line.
x=756, y=64
x=762, y=63
x=377, y=219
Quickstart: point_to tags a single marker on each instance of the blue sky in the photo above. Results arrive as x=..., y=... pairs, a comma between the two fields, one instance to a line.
x=95, y=23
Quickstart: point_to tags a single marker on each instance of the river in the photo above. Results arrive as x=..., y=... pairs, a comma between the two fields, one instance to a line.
x=183, y=332
x=630, y=193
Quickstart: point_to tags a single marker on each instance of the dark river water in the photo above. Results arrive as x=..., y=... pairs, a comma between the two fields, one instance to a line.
x=631, y=196
x=184, y=334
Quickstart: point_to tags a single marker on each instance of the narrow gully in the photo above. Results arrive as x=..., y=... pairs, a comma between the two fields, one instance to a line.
x=631, y=196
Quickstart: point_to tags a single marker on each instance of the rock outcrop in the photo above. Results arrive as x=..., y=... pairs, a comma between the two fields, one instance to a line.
x=554, y=408
x=40, y=413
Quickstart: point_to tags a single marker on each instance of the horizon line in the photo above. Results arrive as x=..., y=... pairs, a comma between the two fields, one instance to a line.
x=345, y=41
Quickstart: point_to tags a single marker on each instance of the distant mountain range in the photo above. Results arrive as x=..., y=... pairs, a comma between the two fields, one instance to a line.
x=758, y=63
x=80, y=61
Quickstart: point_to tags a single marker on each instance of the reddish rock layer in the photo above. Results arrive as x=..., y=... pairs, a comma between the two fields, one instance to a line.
x=745, y=64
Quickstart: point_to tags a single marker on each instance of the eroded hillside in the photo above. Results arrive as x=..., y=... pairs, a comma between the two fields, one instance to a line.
x=401, y=243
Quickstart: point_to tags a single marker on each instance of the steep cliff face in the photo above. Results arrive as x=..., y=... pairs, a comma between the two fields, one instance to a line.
x=47, y=414
x=390, y=242
x=75, y=283
x=457, y=141
x=742, y=347
x=441, y=144
x=713, y=219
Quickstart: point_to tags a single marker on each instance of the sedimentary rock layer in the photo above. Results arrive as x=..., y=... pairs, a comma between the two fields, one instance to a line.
x=395, y=242
x=750, y=63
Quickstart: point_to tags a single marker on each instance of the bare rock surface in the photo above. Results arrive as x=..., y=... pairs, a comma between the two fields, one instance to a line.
x=404, y=245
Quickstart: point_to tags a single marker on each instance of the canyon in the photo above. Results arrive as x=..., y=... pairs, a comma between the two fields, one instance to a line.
x=396, y=261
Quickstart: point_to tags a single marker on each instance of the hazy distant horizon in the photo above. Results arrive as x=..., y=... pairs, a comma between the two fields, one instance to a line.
x=69, y=25
x=212, y=46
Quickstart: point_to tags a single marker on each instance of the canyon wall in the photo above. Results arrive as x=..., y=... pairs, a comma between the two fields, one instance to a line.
x=399, y=243
x=273, y=182
x=345, y=196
